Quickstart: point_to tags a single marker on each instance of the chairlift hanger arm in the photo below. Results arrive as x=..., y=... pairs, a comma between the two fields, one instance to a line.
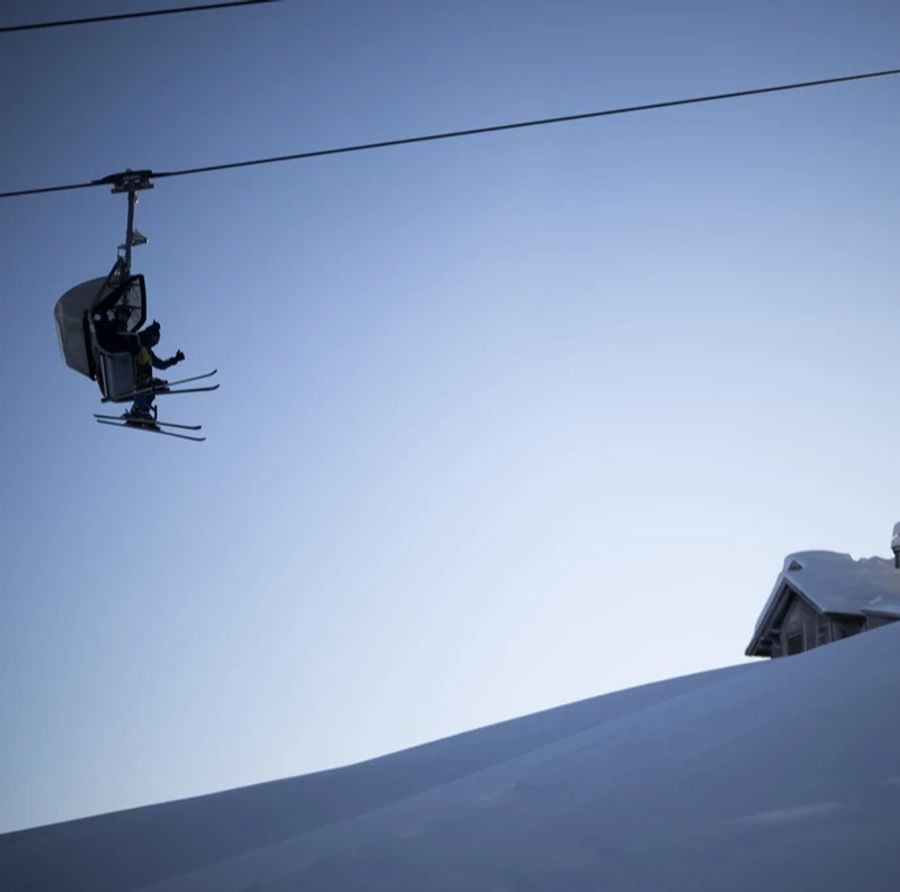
x=132, y=182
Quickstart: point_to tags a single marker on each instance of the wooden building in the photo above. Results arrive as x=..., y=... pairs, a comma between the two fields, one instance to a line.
x=822, y=596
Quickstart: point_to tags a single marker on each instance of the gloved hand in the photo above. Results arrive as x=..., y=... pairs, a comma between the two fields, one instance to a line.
x=179, y=356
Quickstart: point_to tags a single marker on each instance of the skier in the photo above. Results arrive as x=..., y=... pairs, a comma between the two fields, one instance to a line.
x=112, y=334
x=147, y=360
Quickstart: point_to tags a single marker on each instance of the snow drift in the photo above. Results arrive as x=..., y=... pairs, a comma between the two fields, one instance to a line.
x=775, y=775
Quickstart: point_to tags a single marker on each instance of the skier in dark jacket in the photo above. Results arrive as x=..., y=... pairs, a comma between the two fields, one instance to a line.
x=147, y=360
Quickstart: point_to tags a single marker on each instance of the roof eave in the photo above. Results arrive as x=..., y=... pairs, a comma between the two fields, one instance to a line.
x=782, y=585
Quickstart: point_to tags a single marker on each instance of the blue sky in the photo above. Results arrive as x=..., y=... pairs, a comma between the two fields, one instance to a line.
x=504, y=422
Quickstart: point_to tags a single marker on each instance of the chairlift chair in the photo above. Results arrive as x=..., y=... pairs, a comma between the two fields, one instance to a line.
x=97, y=322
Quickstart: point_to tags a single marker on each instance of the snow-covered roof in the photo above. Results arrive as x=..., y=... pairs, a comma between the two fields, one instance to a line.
x=836, y=583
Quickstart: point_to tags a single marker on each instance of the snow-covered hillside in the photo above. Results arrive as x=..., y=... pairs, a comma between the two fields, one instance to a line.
x=775, y=775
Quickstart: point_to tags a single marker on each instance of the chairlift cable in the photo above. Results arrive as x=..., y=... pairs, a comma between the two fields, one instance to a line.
x=520, y=125
x=452, y=134
x=6, y=29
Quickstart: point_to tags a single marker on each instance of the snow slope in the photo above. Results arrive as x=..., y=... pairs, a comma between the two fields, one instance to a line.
x=775, y=775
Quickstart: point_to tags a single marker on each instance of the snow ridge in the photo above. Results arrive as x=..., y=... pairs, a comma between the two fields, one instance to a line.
x=783, y=774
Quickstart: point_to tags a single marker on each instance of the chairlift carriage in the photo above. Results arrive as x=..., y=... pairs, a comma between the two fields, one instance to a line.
x=98, y=321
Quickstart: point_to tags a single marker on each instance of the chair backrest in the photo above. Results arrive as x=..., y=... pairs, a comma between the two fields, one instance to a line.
x=116, y=375
x=72, y=312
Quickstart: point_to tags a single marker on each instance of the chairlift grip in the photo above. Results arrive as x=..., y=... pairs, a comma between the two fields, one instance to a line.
x=127, y=180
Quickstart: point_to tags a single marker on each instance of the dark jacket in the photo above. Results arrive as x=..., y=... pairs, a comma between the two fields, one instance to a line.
x=147, y=360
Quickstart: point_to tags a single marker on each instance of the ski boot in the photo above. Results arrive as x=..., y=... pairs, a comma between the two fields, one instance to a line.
x=141, y=416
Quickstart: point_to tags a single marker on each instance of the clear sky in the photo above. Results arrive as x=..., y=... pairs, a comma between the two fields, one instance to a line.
x=505, y=422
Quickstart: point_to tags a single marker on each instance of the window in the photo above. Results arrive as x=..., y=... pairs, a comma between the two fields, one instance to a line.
x=846, y=629
x=875, y=622
x=795, y=642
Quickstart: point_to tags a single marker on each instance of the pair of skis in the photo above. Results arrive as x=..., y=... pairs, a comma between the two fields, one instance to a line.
x=166, y=389
x=150, y=424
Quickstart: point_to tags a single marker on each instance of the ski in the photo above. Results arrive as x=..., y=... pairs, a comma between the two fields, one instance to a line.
x=186, y=380
x=151, y=429
x=128, y=418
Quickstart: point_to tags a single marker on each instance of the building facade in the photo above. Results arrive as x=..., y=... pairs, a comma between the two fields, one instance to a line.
x=821, y=597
